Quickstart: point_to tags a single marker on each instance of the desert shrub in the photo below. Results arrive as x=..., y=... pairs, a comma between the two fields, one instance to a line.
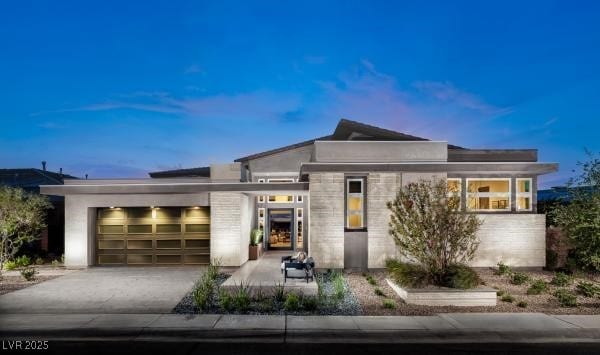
x=379, y=292
x=55, y=263
x=500, y=293
x=561, y=279
x=519, y=278
x=39, y=261
x=23, y=261
x=429, y=229
x=265, y=305
x=241, y=297
x=309, y=303
x=28, y=273
x=225, y=301
x=213, y=269
x=503, y=269
x=566, y=298
x=339, y=287
x=522, y=304
x=507, y=297
x=389, y=303
x=537, y=287
x=460, y=276
x=588, y=289
x=407, y=274
x=10, y=265
x=371, y=280
x=203, y=291
x=292, y=302
x=279, y=292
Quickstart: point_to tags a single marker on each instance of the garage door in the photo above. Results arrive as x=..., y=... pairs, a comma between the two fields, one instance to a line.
x=153, y=236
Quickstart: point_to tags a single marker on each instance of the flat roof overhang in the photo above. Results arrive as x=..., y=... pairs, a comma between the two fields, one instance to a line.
x=438, y=167
x=107, y=187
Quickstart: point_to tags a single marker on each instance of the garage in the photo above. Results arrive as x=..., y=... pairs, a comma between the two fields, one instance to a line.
x=142, y=236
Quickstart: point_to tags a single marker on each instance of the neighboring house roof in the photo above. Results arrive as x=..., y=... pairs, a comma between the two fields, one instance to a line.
x=30, y=179
x=203, y=171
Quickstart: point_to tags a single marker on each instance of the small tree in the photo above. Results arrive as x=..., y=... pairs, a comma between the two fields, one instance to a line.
x=21, y=220
x=580, y=218
x=429, y=228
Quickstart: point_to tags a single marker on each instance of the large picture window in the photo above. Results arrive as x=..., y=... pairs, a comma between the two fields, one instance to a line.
x=488, y=194
x=355, y=203
x=524, y=194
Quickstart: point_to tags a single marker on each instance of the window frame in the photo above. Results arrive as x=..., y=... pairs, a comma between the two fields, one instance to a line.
x=261, y=198
x=268, y=199
x=361, y=212
x=489, y=195
x=524, y=194
x=455, y=194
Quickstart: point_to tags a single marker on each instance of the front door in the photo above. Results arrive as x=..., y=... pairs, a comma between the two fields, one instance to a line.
x=280, y=234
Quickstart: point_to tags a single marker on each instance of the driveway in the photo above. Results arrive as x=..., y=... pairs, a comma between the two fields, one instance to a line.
x=106, y=290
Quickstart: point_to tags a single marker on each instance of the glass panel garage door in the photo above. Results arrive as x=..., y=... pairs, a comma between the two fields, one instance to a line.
x=153, y=236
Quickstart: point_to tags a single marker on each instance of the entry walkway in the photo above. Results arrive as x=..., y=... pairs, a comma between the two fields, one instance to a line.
x=265, y=273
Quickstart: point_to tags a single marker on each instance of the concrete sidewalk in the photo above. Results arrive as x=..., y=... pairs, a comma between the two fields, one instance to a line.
x=447, y=328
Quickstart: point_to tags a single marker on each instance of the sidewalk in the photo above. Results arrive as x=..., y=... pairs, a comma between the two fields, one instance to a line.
x=443, y=328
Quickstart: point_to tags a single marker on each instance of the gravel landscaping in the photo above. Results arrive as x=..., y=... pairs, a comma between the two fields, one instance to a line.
x=373, y=304
x=14, y=283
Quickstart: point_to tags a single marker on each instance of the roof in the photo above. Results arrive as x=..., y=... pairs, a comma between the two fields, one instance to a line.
x=203, y=171
x=31, y=178
x=282, y=149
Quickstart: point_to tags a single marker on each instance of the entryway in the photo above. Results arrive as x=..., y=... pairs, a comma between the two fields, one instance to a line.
x=281, y=232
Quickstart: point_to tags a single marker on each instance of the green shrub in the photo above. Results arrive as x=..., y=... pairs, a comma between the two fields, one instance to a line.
x=203, y=291
x=265, y=305
x=460, y=276
x=309, y=303
x=389, y=303
x=28, y=273
x=503, y=269
x=566, y=298
x=241, y=297
x=339, y=287
x=407, y=274
x=507, y=298
x=500, y=293
x=522, y=304
x=371, y=280
x=519, y=278
x=10, y=265
x=278, y=292
x=23, y=261
x=225, y=301
x=537, y=287
x=55, y=263
x=213, y=269
x=292, y=302
x=588, y=289
x=39, y=261
x=561, y=279
x=379, y=292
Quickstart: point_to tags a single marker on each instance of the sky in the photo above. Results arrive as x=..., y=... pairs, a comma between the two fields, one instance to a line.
x=121, y=88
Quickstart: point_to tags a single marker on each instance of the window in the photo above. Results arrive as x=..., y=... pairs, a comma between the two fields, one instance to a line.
x=280, y=198
x=488, y=194
x=354, y=203
x=524, y=195
x=261, y=220
x=454, y=192
x=299, y=229
x=261, y=198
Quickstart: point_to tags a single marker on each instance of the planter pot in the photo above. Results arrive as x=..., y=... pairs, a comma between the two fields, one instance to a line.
x=255, y=252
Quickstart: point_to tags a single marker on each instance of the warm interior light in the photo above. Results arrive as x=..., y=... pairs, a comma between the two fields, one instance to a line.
x=112, y=207
x=153, y=213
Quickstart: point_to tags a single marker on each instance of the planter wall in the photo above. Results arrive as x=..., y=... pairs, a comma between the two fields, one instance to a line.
x=254, y=252
x=480, y=296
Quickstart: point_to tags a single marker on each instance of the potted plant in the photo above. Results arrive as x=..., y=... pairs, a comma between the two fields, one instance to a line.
x=256, y=237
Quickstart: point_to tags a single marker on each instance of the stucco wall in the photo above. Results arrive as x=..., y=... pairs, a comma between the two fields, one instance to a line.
x=326, y=200
x=370, y=152
x=230, y=224
x=514, y=239
x=287, y=161
x=80, y=218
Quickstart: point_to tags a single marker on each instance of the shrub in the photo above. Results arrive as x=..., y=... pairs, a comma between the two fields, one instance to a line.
x=225, y=301
x=292, y=302
x=503, y=269
x=202, y=293
x=364, y=274
x=309, y=303
x=566, y=298
x=23, y=261
x=561, y=279
x=279, y=292
x=500, y=293
x=28, y=273
x=519, y=278
x=241, y=297
x=39, y=261
x=507, y=298
x=10, y=265
x=428, y=228
x=378, y=292
x=588, y=289
x=339, y=287
x=522, y=304
x=537, y=287
x=407, y=274
x=389, y=303
x=55, y=263
x=460, y=276
x=371, y=280
x=213, y=269
x=265, y=305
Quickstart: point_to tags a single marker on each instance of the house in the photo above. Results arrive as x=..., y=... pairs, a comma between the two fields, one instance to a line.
x=326, y=195
x=30, y=179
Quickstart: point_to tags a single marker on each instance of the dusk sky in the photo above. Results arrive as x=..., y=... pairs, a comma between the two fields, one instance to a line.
x=117, y=89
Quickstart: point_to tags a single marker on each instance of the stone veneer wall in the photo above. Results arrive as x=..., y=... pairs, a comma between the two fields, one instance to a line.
x=229, y=227
x=326, y=240
x=514, y=239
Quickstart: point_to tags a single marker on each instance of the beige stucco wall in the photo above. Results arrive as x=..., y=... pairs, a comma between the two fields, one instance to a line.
x=230, y=224
x=80, y=218
x=381, y=188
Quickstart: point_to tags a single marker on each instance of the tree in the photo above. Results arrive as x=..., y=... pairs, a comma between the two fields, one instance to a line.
x=580, y=218
x=429, y=228
x=21, y=220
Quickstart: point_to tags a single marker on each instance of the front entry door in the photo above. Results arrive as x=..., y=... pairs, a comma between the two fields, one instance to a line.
x=280, y=235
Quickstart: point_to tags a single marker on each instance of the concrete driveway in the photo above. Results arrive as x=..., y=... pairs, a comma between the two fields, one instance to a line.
x=106, y=290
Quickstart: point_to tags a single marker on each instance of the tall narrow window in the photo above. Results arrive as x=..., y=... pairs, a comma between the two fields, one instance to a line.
x=299, y=229
x=261, y=198
x=354, y=203
x=492, y=194
x=454, y=192
x=261, y=220
x=524, y=194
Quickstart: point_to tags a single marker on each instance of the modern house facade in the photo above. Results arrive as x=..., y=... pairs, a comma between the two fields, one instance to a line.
x=326, y=196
